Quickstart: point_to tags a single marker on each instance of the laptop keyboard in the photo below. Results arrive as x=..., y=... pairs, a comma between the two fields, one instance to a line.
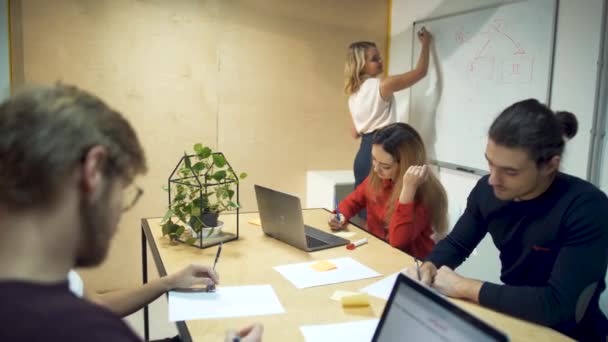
x=313, y=243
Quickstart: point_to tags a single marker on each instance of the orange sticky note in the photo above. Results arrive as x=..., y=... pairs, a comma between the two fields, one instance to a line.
x=256, y=222
x=323, y=266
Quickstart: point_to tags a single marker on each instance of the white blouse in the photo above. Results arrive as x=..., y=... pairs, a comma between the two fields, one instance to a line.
x=369, y=110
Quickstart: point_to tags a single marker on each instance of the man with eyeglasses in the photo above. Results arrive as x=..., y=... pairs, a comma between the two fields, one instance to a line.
x=127, y=301
x=66, y=161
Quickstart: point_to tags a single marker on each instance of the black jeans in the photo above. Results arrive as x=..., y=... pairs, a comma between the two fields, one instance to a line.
x=363, y=163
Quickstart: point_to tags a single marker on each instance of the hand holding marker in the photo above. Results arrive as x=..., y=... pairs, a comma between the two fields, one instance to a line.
x=351, y=245
x=337, y=211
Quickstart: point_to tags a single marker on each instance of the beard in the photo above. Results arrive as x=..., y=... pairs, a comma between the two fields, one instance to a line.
x=95, y=228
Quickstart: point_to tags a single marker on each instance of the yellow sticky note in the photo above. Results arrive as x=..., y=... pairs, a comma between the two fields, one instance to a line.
x=256, y=222
x=323, y=266
x=359, y=299
x=337, y=296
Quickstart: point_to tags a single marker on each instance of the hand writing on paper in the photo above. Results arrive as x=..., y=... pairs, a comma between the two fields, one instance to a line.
x=412, y=179
x=334, y=224
x=424, y=36
x=427, y=273
x=192, y=275
x=252, y=333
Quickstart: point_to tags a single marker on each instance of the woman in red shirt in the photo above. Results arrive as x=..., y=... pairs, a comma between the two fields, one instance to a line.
x=406, y=204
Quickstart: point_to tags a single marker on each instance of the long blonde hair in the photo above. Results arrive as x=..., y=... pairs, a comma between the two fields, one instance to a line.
x=405, y=145
x=353, y=67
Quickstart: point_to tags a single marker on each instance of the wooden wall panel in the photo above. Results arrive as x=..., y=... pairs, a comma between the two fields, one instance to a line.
x=259, y=79
x=282, y=109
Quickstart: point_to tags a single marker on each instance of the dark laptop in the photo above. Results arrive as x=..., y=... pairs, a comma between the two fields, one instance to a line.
x=416, y=313
x=281, y=218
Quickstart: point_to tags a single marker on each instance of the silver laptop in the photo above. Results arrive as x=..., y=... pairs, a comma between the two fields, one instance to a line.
x=281, y=218
x=416, y=313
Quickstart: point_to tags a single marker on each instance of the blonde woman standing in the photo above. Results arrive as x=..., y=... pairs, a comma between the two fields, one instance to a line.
x=371, y=101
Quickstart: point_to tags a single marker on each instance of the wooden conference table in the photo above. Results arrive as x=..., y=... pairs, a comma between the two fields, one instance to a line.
x=250, y=261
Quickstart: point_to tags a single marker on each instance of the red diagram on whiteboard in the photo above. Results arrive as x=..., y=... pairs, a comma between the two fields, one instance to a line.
x=497, y=55
x=517, y=70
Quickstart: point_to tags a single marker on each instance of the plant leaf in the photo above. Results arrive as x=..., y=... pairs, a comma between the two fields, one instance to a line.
x=243, y=175
x=195, y=211
x=218, y=176
x=166, y=227
x=170, y=228
x=201, y=202
x=187, y=161
x=167, y=216
x=198, y=148
x=198, y=167
x=191, y=241
x=204, y=153
x=219, y=160
x=196, y=224
x=180, y=197
x=180, y=230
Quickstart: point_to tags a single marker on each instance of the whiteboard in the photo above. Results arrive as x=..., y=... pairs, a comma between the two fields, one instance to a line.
x=5, y=71
x=481, y=62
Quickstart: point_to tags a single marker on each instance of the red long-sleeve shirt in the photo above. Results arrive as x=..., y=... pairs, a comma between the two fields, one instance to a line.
x=409, y=228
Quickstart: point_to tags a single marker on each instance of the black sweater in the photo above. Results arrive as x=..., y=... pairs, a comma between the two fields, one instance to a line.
x=553, y=250
x=50, y=312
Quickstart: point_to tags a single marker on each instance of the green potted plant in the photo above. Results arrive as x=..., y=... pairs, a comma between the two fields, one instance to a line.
x=201, y=186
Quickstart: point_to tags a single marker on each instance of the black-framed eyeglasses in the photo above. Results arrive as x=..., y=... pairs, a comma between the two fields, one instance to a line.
x=133, y=193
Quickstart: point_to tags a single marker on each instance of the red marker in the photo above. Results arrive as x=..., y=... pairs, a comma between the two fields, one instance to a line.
x=356, y=244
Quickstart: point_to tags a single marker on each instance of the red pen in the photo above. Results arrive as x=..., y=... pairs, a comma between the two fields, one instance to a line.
x=356, y=244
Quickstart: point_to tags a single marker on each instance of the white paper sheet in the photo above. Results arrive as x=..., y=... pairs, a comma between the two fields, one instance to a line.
x=337, y=296
x=345, y=235
x=382, y=288
x=302, y=275
x=231, y=301
x=358, y=331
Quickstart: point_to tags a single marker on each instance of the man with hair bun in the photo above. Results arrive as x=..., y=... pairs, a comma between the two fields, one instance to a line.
x=551, y=229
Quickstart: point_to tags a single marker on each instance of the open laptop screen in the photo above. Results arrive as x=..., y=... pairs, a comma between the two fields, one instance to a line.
x=415, y=313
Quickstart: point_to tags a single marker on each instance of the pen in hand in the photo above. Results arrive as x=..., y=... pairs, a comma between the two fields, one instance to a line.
x=418, y=268
x=211, y=288
x=337, y=211
x=217, y=255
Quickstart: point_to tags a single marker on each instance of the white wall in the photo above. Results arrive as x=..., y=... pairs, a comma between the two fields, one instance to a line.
x=573, y=87
x=483, y=262
x=5, y=76
x=603, y=162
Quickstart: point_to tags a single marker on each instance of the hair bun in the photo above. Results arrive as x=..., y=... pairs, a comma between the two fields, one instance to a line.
x=568, y=122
